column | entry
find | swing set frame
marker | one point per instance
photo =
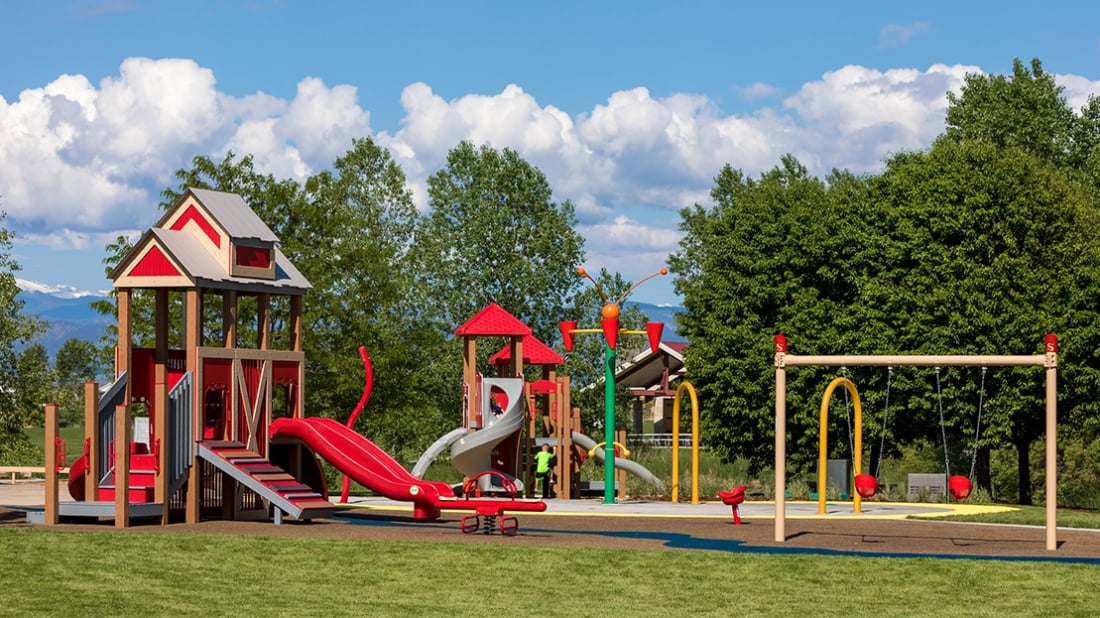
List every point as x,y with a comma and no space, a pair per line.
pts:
1048,360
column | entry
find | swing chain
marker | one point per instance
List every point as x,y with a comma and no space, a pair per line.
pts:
943,428
848,416
885,420
978,426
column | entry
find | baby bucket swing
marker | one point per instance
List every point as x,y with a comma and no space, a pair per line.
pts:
867,484
959,486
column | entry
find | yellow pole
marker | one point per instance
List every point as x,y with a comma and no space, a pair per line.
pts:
694,443
823,438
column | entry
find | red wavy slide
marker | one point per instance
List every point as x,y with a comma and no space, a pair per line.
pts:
366,463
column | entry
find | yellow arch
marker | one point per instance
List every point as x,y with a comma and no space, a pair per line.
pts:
685,385
823,438
623,451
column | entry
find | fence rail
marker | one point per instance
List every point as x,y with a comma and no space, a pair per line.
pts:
659,440
24,472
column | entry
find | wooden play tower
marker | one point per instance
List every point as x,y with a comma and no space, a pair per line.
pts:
209,401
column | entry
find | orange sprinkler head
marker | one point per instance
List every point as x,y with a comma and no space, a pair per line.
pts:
582,273
610,311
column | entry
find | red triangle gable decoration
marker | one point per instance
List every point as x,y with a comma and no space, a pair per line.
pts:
192,215
154,264
493,321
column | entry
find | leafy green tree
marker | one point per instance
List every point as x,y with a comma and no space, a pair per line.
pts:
767,258
354,244
980,245
75,363
494,235
37,384
15,329
1025,110
990,252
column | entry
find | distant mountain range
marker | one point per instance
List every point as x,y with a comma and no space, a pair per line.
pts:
67,311
665,314
69,314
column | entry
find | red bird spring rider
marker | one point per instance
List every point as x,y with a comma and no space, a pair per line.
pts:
733,498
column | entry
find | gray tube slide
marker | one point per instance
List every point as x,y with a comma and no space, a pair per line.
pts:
632,467
473,452
435,449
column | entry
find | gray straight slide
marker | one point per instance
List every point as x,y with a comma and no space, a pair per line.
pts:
472,453
632,467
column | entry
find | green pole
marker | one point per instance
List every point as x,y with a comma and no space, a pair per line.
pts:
609,426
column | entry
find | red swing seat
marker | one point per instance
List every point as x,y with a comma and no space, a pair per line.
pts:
959,486
866,485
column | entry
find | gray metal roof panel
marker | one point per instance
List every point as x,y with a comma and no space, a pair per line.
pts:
201,266
231,211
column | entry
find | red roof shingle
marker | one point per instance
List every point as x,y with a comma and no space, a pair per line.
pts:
493,321
535,352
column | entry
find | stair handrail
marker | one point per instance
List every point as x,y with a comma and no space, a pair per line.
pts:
113,397
180,447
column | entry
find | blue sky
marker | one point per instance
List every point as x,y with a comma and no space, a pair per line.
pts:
630,108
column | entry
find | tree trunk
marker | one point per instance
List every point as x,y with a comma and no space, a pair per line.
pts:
1023,470
982,471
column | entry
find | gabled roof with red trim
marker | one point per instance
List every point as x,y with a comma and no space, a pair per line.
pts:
493,321
193,245
535,352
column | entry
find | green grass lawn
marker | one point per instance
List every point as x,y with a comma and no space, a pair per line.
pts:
129,573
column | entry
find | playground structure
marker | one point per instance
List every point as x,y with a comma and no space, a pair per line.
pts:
1048,360
226,431
502,415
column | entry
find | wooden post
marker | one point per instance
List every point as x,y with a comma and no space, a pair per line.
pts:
529,448
471,399
1051,364
160,439
190,346
564,435
229,319
296,345
296,323
123,352
263,321
122,466
51,517
91,441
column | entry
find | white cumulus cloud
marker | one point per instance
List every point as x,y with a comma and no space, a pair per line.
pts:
80,161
